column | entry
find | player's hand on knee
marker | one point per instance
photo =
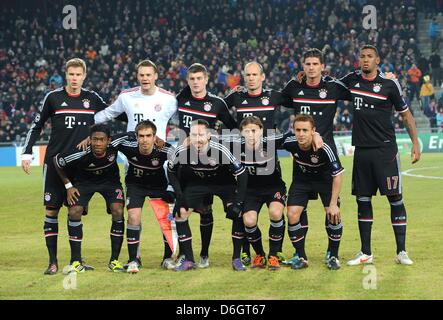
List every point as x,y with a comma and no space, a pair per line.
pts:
83,145
72,196
26,165
180,203
234,210
333,213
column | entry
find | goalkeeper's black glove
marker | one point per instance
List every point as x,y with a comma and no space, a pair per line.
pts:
168,197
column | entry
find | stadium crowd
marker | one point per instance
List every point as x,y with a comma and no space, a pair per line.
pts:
113,36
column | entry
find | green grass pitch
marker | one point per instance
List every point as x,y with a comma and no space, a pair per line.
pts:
23,255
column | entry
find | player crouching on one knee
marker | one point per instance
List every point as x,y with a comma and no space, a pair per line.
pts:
265,186
210,169
314,173
96,171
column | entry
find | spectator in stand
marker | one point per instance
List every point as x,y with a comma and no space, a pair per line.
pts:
426,91
430,111
123,34
423,65
434,34
56,78
414,75
345,119
439,119
436,69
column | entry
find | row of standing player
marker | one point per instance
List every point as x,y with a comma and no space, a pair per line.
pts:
314,95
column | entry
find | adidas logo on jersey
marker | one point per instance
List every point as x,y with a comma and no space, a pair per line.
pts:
64,104
91,165
301,93
245,102
134,158
357,85
188,104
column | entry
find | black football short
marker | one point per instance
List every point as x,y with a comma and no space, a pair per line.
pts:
257,197
197,195
111,192
54,191
376,168
136,195
301,192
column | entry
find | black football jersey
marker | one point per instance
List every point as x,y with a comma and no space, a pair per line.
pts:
216,166
210,108
145,170
372,104
262,163
71,116
320,102
320,165
262,105
89,168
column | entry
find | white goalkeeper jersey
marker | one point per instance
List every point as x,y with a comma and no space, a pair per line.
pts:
158,108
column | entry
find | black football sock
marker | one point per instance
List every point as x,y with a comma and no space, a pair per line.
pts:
50,228
365,219
206,226
116,234
334,232
246,247
276,232
185,239
399,222
238,235
133,239
253,235
167,253
296,235
75,231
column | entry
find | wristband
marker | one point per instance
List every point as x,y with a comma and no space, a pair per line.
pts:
68,185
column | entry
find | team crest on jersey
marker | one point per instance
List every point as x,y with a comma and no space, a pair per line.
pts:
86,103
47,196
158,107
207,106
377,87
155,162
323,93
111,157
265,101
314,158
212,162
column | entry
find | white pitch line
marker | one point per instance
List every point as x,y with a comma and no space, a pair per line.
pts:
407,173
